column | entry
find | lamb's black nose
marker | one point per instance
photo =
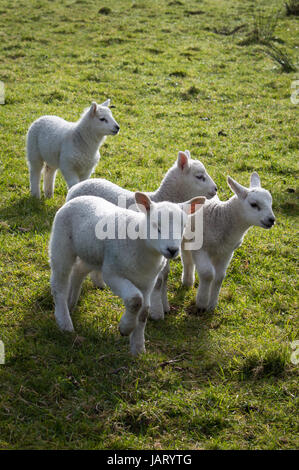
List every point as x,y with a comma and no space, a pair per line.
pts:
216,189
173,251
271,220
116,127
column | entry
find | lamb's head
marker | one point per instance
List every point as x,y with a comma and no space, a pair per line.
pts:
194,180
256,202
101,119
165,222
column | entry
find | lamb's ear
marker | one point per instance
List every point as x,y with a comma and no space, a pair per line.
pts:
192,206
106,103
255,181
143,202
237,188
187,152
183,160
93,108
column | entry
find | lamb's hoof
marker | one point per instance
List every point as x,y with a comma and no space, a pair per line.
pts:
136,350
67,328
156,311
125,330
166,308
97,282
211,308
122,332
201,310
35,196
100,286
156,315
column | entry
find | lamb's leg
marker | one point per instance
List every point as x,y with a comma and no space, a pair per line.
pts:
97,279
206,273
156,310
49,180
188,276
35,170
137,335
71,177
132,297
79,272
159,301
61,269
220,271
165,274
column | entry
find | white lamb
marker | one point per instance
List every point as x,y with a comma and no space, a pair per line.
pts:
129,266
224,226
186,179
73,147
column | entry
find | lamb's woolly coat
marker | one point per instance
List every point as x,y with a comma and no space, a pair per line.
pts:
186,179
180,184
129,266
73,147
224,227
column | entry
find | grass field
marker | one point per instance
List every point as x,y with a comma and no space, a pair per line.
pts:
179,78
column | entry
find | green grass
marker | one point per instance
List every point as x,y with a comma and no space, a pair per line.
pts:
176,81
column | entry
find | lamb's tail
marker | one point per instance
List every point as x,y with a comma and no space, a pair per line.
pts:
34,161
32,151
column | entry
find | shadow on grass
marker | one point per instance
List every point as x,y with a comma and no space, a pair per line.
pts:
288,202
96,350
71,381
28,214
184,332
48,361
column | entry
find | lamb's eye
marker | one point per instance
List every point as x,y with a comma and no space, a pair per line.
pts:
103,119
200,177
255,205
